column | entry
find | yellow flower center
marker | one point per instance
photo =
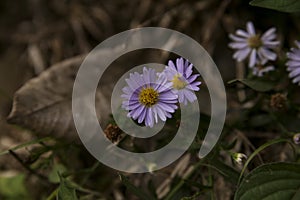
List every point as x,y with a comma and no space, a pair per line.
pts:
178,83
148,97
254,42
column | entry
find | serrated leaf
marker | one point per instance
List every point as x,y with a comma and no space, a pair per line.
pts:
136,191
258,85
280,5
66,191
271,181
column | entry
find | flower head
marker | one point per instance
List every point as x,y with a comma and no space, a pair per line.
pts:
294,63
148,97
238,157
296,138
257,47
182,80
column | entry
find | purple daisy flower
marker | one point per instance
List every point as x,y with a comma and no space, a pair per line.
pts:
182,79
294,63
257,47
148,97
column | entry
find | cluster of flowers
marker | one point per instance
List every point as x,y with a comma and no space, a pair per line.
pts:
259,49
151,96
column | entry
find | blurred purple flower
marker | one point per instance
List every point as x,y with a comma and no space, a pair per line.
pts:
182,79
294,63
260,70
257,47
148,97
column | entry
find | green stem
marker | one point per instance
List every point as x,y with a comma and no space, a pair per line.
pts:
25,145
259,149
53,195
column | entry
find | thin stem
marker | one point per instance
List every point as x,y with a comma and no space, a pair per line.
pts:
182,181
53,195
259,149
26,166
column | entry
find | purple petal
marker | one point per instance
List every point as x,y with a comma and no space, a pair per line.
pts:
193,78
250,28
293,56
269,34
189,71
297,44
171,64
194,86
179,64
135,105
189,95
267,53
297,79
241,54
167,107
271,44
292,63
161,114
149,118
137,112
154,110
180,96
143,114
294,73
237,39
242,33
167,96
252,60
238,45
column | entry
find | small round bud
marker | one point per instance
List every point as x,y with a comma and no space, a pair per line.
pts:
278,101
113,133
296,138
239,157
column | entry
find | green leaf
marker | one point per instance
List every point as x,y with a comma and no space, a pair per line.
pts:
271,181
66,191
13,187
54,174
280,5
136,191
258,85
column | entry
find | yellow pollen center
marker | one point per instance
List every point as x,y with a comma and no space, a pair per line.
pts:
178,83
254,42
148,97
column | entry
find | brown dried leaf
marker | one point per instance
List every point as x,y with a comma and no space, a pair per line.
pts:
43,104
